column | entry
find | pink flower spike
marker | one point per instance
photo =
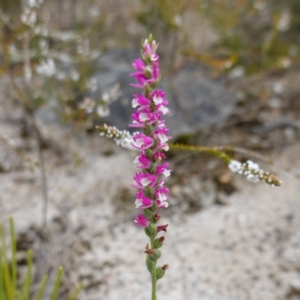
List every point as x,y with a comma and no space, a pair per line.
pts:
139,65
141,78
136,120
163,146
154,57
157,100
155,72
163,110
140,100
162,194
142,142
141,180
158,94
143,160
158,156
161,133
162,204
141,221
142,201
147,50
162,169
162,228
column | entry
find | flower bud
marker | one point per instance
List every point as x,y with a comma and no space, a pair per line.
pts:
160,272
159,242
156,217
150,38
150,264
157,254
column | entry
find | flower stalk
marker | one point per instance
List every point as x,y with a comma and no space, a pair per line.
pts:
151,142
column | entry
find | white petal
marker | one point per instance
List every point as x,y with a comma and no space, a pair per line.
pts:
163,138
252,178
138,203
165,147
164,110
164,203
136,160
157,100
139,142
145,181
134,103
167,172
154,57
144,117
162,197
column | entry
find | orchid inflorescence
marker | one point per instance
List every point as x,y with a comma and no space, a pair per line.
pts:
151,142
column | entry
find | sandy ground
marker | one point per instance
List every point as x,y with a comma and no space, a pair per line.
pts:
247,249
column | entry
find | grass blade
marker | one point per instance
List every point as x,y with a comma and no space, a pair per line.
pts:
6,274
76,292
27,283
13,253
57,283
42,288
1,278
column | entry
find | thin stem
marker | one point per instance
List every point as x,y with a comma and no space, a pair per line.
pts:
41,159
153,273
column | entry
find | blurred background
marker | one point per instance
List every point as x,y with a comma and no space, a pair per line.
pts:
231,73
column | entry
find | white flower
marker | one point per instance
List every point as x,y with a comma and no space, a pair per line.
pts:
234,166
252,165
47,68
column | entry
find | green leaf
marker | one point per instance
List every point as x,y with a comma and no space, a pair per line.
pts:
147,231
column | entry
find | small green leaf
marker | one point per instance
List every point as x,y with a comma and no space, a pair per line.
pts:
147,231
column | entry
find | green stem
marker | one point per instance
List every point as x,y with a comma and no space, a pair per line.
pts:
153,273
